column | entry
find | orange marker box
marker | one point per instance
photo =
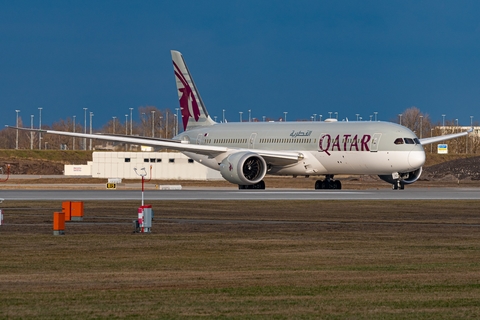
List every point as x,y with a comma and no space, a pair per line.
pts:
66,208
76,210
58,223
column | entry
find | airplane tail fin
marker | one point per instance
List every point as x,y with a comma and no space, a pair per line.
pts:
194,113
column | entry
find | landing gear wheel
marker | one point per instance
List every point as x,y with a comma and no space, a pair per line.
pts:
259,185
398,185
337,185
328,183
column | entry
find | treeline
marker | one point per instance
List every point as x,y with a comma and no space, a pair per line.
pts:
153,123
421,124
163,124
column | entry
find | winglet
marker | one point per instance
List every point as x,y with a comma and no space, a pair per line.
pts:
194,113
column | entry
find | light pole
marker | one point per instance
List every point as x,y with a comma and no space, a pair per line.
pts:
166,124
249,115
176,121
320,117
131,121
114,120
40,127
73,145
330,114
240,112
31,132
336,115
160,130
471,126
357,114
314,117
285,115
223,113
91,118
16,140
85,128
456,141
443,124
431,144
126,124
421,127
263,117
153,123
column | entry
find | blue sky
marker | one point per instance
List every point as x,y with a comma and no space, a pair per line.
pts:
302,57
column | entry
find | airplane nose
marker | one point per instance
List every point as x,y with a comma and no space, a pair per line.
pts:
416,159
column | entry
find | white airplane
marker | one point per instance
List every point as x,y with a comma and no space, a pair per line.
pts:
245,152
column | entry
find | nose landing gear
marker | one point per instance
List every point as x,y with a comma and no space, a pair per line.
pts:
398,185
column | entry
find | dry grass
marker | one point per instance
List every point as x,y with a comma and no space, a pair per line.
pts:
258,259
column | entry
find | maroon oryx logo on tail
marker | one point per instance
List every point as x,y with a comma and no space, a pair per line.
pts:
188,102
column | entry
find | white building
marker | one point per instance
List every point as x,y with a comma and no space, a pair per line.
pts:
164,165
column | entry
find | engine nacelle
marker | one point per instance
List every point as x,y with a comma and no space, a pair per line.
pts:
407,177
243,168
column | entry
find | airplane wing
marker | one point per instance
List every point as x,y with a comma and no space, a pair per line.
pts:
430,140
270,156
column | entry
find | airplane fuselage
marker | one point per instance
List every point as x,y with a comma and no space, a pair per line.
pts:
323,147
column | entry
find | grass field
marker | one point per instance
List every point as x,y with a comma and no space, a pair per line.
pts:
244,260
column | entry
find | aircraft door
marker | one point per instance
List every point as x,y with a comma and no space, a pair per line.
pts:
251,141
375,142
199,138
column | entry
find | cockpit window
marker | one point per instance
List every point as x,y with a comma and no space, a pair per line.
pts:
399,141
409,141
416,141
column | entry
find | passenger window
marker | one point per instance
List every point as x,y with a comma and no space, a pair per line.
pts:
409,141
399,141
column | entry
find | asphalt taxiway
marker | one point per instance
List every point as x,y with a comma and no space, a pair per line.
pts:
232,194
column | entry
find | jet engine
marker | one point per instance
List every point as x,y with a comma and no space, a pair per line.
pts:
243,168
406,177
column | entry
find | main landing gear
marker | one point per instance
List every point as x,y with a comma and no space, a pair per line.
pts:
398,185
259,185
328,183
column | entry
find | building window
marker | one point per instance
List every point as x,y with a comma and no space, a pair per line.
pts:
159,160
145,160
190,161
152,160
127,159
171,160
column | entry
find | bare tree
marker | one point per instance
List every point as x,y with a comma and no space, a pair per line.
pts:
417,121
